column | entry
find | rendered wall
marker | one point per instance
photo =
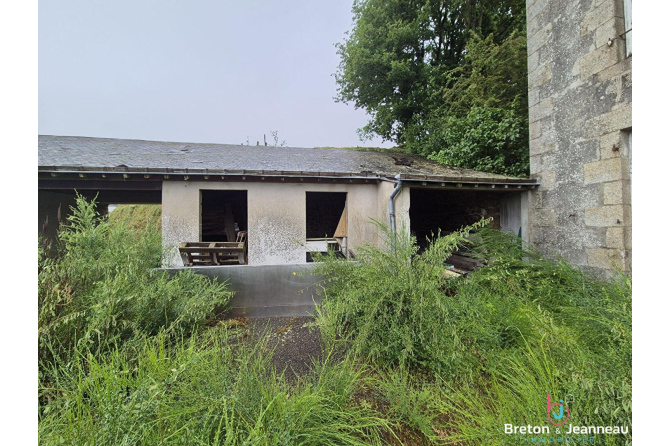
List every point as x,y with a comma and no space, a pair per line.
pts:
276,216
401,201
580,99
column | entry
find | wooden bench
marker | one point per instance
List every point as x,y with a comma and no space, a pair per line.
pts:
213,253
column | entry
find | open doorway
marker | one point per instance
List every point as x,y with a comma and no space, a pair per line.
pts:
326,223
223,214
445,211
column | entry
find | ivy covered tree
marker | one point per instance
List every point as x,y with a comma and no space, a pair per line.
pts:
483,123
416,66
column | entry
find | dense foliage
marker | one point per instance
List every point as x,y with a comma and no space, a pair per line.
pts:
495,342
204,391
410,356
418,68
392,301
101,291
125,358
483,124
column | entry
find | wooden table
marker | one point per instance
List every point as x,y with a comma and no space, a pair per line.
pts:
213,253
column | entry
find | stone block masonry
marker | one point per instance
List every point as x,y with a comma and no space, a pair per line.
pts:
580,110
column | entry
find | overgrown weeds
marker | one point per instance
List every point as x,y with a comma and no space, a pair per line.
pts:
390,304
420,358
495,343
101,291
125,359
203,391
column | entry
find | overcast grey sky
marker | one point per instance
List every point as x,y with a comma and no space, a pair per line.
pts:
195,71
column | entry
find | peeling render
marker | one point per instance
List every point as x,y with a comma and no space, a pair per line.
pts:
276,216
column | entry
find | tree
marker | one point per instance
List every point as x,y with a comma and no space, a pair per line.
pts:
401,55
491,75
483,124
489,139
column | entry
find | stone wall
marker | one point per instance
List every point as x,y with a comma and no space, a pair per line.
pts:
580,99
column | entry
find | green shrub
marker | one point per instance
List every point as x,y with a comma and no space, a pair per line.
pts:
487,139
496,341
391,303
102,289
545,292
544,326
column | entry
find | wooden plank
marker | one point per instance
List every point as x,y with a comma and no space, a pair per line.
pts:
229,223
211,245
213,253
221,250
341,230
464,262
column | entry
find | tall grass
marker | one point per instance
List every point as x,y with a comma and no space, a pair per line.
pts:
204,391
125,358
495,342
425,359
544,327
136,216
101,291
391,304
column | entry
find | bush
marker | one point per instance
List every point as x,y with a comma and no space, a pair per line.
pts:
391,304
487,139
544,326
496,342
102,289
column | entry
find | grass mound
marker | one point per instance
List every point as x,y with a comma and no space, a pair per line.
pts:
137,216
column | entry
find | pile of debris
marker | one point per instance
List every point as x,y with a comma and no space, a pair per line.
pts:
461,263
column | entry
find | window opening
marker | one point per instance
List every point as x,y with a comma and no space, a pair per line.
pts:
326,223
628,26
434,211
223,215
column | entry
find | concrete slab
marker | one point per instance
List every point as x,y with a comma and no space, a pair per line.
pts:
266,290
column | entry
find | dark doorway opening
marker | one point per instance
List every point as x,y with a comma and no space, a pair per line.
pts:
434,211
326,223
324,210
223,213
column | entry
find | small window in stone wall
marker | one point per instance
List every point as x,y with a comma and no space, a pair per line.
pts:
628,26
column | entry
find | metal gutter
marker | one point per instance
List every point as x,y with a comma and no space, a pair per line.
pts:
465,182
162,173
395,192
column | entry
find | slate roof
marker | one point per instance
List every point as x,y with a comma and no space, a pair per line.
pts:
75,153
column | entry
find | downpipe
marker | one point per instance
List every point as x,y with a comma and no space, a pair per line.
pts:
395,192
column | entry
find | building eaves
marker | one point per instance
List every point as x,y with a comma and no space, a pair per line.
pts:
102,157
